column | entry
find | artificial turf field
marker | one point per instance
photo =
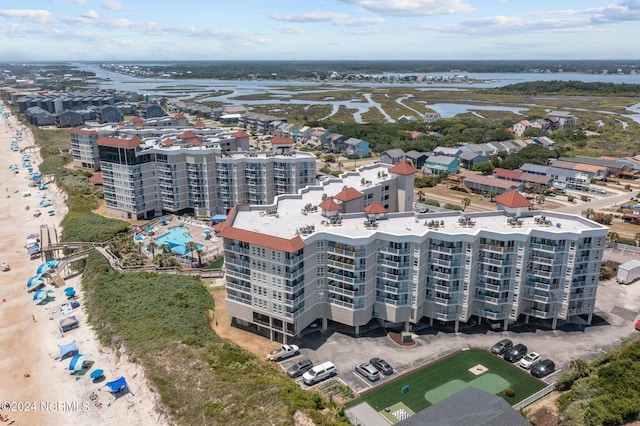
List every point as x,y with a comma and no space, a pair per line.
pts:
441,379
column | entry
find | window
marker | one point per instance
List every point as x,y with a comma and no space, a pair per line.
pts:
320,271
321,283
320,258
320,245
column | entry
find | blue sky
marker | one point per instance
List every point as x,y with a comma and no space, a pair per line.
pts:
317,30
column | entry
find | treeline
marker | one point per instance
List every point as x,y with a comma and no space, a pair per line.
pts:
278,70
569,88
450,132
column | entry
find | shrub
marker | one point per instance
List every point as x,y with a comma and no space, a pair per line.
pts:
566,380
431,202
509,393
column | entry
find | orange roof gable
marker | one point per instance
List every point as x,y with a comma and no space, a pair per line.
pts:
179,116
240,134
195,142
403,168
188,135
168,142
375,208
119,142
76,131
279,140
513,199
199,124
329,205
348,194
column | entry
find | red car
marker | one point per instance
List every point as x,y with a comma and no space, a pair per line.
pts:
638,325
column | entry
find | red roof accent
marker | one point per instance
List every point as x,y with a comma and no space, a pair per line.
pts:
507,174
188,134
513,199
137,120
119,142
263,240
526,123
240,134
168,142
403,168
348,194
96,178
375,208
195,142
179,116
199,125
329,205
77,131
230,217
279,140
415,134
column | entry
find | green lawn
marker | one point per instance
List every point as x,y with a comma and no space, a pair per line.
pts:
455,369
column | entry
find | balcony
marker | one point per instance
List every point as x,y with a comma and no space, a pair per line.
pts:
444,250
246,301
491,314
539,314
445,263
240,287
394,277
237,274
492,287
540,297
492,300
396,251
393,264
393,290
494,275
540,273
446,316
341,265
495,262
548,248
443,301
442,276
394,302
496,249
349,251
342,290
344,279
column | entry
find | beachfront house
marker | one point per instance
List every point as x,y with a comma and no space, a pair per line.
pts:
439,164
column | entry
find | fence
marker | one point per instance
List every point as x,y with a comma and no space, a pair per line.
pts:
623,247
536,396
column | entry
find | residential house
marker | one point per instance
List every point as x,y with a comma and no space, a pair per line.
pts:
448,151
480,184
393,156
69,118
520,127
562,119
108,114
430,117
151,111
407,119
439,164
356,148
417,158
39,116
469,159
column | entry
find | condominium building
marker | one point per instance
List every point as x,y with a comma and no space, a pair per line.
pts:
313,257
145,178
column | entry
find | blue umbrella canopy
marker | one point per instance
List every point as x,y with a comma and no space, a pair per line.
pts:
76,362
43,268
35,281
40,295
45,203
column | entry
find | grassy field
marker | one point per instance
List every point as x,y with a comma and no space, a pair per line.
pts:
445,376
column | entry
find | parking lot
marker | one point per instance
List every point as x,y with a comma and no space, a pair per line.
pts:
616,310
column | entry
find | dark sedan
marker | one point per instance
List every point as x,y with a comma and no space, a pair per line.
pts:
501,347
299,368
382,366
543,368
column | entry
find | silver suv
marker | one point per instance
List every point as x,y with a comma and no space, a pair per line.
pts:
368,371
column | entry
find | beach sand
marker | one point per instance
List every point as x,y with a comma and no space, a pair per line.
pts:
38,388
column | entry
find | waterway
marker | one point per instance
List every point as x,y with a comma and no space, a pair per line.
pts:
186,89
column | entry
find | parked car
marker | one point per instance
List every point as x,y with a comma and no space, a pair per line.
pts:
529,360
638,325
319,373
501,347
543,368
515,353
382,366
5,267
283,352
368,371
299,368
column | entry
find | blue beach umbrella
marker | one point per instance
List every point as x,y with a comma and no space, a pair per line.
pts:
76,362
36,281
43,268
41,295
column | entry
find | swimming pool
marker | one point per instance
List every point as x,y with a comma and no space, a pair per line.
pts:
177,239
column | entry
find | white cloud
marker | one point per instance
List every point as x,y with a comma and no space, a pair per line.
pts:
36,15
413,7
91,14
292,29
340,19
112,5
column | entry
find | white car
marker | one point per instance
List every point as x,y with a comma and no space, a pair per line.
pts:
529,360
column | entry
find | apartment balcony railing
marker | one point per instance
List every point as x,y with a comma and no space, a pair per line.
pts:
536,313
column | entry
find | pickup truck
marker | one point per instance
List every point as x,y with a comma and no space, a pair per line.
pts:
283,352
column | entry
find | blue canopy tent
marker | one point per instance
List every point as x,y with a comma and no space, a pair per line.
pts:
67,350
69,291
42,295
79,364
217,218
45,203
46,266
118,388
35,283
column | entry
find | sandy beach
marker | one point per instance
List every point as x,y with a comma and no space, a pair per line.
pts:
37,388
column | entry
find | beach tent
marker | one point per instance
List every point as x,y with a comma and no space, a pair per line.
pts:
45,267
42,295
69,291
77,362
35,282
45,203
68,323
67,350
118,388
217,218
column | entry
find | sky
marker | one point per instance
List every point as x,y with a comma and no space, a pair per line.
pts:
136,30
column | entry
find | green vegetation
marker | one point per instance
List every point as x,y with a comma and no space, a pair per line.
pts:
90,227
164,322
534,154
454,367
54,147
604,392
570,88
83,195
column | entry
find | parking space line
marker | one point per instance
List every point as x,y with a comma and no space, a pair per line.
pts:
362,379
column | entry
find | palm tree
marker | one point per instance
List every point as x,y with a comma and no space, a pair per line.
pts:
540,198
492,195
580,366
153,246
200,252
421,195
190,247
613,237
166,248
465,202
588,213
